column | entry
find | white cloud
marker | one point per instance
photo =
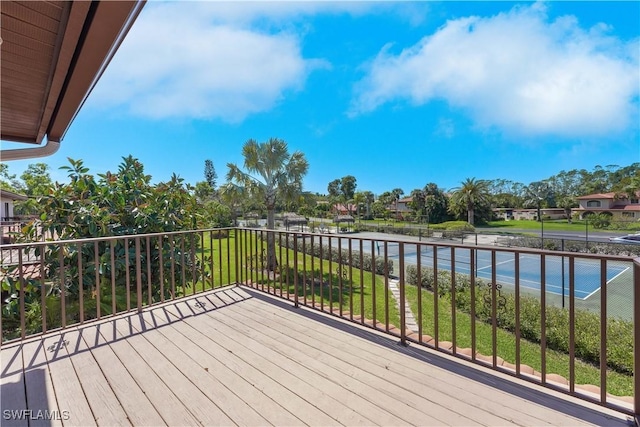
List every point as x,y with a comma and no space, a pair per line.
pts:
176,63
517,71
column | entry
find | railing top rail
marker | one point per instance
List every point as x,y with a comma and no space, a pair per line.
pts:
108,238
520,250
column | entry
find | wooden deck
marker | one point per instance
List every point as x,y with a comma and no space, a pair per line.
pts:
239,357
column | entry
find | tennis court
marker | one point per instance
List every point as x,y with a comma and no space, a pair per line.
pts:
586,272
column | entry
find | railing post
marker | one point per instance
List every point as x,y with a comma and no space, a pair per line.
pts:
295,269
139,276
237,260
636,341
403,319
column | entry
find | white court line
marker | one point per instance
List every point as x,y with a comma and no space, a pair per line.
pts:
608,281
497,263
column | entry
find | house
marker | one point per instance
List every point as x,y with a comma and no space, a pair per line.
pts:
7,201
341,209
529,214
620,206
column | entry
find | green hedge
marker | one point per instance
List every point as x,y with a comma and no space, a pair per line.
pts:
341,256
587,324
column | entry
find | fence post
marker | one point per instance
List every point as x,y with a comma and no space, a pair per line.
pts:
295,269
636,341
236,237
403,319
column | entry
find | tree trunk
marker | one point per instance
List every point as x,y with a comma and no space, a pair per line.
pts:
272,262
470,215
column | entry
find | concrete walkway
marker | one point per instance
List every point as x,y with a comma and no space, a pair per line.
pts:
410,319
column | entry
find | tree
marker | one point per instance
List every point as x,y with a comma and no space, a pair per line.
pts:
384,201
36,179
471,195
8,181
203,191
566,186
537,193
210,174
342,190
436,203
124,203
417,203
397,193
271,173
369,198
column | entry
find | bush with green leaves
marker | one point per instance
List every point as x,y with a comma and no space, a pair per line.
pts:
124,203
339,255
587,324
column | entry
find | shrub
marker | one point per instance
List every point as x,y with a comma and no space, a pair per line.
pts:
586,328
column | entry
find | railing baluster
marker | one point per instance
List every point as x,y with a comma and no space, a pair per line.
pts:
603,331
183,273
172,257
43,294
112,265
386,286
373,284
419,290
304,268
402,302
80,282
572,325
321,276
436,326
472,315
339,271
543,319
330,248
139,275
147,242
161,263
23,332
453,299
361,242
313,271
228,258
63,293
350,280
192,253
127,272
494,311
96,264
516,270
295,270
636,340
220,256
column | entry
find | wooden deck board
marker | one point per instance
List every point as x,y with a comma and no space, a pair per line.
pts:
68,390
12,394
170,408
203,409
418,399
361,396
240,357
335,402
455,386
39,387
442,395
105,406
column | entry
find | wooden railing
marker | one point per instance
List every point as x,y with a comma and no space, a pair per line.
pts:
561,320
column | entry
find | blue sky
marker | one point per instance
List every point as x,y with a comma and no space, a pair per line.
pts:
396,94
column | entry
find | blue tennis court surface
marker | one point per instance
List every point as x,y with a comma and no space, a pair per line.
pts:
586,272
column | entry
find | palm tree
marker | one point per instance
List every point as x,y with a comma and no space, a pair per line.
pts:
397,192
471,194
536,193
369,199
271,174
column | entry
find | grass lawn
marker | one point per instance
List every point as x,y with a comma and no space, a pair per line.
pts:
350,291
550,225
